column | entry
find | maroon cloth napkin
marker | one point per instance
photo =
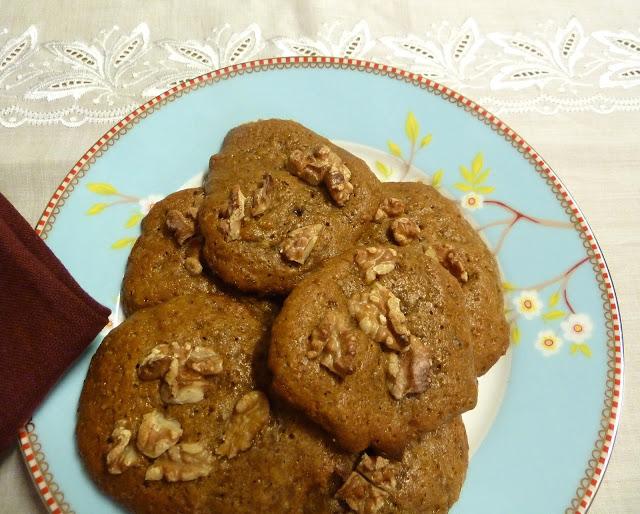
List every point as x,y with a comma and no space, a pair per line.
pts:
46,321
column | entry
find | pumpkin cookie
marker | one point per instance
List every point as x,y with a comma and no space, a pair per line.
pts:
280,201
375,347
414,212
173,417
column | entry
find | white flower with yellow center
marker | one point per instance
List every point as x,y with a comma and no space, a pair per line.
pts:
148,202
528,304
577,328
548,343
472,201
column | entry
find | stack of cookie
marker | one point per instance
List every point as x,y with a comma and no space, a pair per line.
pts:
300,338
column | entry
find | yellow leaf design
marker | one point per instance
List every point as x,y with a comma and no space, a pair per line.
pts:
482,177
133,220
426,140
394,148
383,168
508,286
466,174
412,127
515,334
123,243
484,190
102,188
551,315
436,179
476,164
96,208
585,349
554,299
573,349
462,186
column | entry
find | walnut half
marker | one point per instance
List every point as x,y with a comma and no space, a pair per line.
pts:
157,434
379,471
122,455
182,227
250,414
404,230
299,243
389,208
181,463
361,495
333,343
452,262
261,198
408,373
231,218
376,261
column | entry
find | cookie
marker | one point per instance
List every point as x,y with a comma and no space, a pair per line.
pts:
414,212
375,347
166,261
173,417
280,201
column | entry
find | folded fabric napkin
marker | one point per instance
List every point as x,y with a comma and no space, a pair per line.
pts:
46,321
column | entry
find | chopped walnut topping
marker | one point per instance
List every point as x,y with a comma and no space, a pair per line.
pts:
323,165
204,361
333,343
390,207
250,414
361,495
231,217
157,434
450,260
156,364
182,227
404,231
181,385
376,261
122,455
181,463
193,265
379,471
299,243
408,373
261,199
379,316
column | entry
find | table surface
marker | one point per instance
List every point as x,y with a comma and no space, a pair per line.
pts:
596,154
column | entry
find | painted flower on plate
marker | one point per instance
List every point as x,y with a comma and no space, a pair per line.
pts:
472,201
148,202
528,304
548,343
577,328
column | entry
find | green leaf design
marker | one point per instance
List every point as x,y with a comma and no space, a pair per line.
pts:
412,127
480,179
554,299
133,220
551,315
477,163
583,348
123,243
102,188
97,208
515,333
426,140
466,174
508,286
484,190
384,169
462,186
394,148
436,179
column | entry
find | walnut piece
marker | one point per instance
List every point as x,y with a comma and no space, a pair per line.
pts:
231,217
379,471
261,198
193,265
157,434
323,165
379,316
376,261
250,414
181,463
408,373
452,262
333,343
122,455
389,208
156,364
182,227
361,495
299,243
404,231
204,361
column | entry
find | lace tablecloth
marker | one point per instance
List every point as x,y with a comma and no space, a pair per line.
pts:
566,77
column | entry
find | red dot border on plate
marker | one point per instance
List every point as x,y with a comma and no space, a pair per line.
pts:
603,447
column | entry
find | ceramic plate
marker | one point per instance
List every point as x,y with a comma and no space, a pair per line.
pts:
544,427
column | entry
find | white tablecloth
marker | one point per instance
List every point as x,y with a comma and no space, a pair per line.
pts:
564,75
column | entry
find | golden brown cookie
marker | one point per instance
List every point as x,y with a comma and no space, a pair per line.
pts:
173,417
375,347
414,212
280,201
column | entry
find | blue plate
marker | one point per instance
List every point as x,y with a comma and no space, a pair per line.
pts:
543,431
